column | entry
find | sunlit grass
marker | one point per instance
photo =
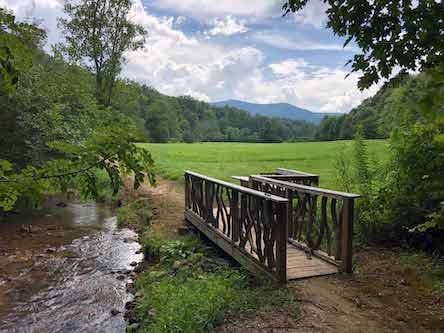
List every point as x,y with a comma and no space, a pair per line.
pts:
223,160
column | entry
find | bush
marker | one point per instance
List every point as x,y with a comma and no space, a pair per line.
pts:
189,289
136,214
401,199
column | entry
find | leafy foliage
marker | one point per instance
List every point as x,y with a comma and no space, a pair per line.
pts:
61,137
184,119
16,41
403,198
98,32
187,288
406,34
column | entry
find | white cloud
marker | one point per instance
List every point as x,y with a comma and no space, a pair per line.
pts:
43,12
313,14
180,20
312,87
178,64
203,8
276,39
289,67
227,26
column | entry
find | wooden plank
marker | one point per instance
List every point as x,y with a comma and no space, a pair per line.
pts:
238,188
284,171
312,270
317,253
241,178
307,274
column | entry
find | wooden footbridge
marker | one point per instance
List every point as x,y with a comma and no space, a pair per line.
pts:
281,225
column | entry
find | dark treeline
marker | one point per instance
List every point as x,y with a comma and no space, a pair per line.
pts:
184,119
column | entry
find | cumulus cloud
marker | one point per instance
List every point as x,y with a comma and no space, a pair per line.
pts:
203,8
180,20
227,26
289,67
313,14
279,40
42,12
179,64
300,83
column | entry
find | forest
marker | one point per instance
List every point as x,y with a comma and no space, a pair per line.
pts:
72,125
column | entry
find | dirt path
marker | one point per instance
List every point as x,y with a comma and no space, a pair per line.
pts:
380,297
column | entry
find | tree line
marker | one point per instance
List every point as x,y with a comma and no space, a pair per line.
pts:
185,119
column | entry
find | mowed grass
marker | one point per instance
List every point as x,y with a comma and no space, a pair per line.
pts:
223,160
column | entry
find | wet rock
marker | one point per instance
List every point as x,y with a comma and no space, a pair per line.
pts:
152,312
25,228
51,250
134,327
177,264
120,277
61,204
123,271
138,269
130,287
139,251
114,312
130,305
134,264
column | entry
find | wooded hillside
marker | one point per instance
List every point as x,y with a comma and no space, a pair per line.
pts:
184,119
377,114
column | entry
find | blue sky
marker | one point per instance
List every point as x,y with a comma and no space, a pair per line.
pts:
231,49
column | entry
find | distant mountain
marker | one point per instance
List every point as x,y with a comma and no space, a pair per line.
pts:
277,110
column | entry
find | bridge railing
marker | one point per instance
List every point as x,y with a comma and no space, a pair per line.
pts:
249,225
320,221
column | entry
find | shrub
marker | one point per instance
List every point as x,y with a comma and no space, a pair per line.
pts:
190,290
136,214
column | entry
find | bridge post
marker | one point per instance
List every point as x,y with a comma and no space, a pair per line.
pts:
234,209
281,241
290,227
347,236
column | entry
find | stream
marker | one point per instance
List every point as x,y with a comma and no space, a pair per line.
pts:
65,270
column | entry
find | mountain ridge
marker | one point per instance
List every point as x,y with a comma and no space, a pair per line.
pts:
276,110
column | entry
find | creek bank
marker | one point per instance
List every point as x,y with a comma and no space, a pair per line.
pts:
185,283
62,265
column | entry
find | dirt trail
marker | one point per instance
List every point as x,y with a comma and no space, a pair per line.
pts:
379,297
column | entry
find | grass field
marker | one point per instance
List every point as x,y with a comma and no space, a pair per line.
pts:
223,160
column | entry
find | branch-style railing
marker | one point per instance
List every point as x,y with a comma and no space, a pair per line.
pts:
291,176
320,220
248,224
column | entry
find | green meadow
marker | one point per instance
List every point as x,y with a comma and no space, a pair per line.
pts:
223,160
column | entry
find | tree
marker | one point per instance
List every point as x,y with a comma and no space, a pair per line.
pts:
98,32
391,34
17,42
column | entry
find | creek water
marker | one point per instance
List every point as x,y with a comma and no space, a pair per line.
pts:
65,271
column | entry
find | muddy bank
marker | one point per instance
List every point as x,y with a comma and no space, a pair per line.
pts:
65,269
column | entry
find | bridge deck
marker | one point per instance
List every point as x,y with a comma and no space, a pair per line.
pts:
299,264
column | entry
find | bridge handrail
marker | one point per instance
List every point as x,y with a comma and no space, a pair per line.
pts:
316,228
239,188
249,225
305,188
